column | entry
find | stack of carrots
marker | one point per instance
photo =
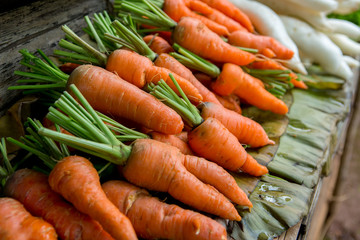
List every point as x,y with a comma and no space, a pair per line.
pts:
181,92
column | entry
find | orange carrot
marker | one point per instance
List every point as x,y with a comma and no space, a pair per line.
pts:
213,174
204,79
272,64
172,140
167,61
193,35
77,181
233,80
215,15
216,143
176,9
183,136
249,40
31,188
158,44
18,224
231,102
231,11
68,67
165,172
155,74
246,130
154,219
109,94
139,70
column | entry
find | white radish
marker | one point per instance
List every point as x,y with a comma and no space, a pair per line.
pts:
345,27
317,46
316,5
347,46
351,62
268,23
347,6
315,18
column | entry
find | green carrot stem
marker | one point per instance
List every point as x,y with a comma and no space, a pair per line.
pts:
94,52
72,47
43,86
77,56
141,47
46,78
44,157
104,168
118,40
3,150
47,59
63,147
195,62
115,154
100,44
250,50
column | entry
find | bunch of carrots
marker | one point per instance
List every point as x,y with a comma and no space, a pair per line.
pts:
155,99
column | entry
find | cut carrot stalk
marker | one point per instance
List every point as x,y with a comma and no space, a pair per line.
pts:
191,34
17,223
234,80
160,220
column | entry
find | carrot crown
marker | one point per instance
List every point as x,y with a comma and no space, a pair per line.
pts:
91,134
193,61
44,76
182,106
145,12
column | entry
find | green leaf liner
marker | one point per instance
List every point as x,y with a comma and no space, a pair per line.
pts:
306,140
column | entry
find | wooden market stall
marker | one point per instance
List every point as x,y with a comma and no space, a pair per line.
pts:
316,125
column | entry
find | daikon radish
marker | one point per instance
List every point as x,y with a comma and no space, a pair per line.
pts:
317,46
317,19
316,5
268,23
345,27
347,46
351,62
347,6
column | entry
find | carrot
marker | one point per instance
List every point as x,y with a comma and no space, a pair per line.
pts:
203,78
166,173
209,172
154,219
158,44
209,138
17,223
246,130
214,142
172,140
262,43
31,188
148,163
231,11
110,94
167,61
126,64
68,67
215,15
272,64
230,102
191,34
77,181
233,80
176,9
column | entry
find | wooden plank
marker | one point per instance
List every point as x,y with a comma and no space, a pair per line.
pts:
36,26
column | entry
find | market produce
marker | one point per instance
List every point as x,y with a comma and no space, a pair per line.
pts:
153,218
231,11
164,172
77,180
172,140
234,80
267,23
347,46
31,188
345,27
264,44
317,47
139,102
209,138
